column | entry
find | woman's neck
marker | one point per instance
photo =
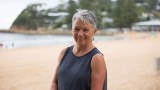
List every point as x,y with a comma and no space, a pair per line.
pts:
81,50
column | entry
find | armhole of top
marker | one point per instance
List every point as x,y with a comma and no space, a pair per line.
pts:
105,81
97,53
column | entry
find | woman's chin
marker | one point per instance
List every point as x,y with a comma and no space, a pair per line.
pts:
80,44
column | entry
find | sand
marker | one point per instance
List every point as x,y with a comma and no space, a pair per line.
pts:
130,64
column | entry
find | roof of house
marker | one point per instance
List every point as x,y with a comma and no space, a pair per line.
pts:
155,22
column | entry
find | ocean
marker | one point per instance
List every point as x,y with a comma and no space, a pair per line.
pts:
14,40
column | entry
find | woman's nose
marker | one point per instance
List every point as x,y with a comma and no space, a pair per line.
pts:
80,33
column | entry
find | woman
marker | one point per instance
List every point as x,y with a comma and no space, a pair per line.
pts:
81,66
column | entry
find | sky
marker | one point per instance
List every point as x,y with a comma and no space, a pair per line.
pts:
10,9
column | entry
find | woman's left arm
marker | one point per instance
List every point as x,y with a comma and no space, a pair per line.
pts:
98,72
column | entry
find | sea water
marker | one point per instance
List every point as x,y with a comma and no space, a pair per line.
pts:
14,40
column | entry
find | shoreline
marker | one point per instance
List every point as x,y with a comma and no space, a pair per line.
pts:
6,44
52,32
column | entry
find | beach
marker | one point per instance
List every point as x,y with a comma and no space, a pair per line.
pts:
130,64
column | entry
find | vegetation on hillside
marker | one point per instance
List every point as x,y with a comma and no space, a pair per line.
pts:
110,13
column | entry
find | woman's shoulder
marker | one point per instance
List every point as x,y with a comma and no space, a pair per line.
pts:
98,58
63,51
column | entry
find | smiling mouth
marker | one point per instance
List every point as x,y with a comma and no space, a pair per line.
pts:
80,39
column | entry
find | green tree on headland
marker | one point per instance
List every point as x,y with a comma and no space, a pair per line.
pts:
28,18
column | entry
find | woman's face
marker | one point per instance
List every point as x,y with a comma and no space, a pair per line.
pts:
82,32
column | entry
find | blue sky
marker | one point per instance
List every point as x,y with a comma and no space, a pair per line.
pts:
10,9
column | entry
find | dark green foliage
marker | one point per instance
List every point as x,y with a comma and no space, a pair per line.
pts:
125,13
72,7
99,7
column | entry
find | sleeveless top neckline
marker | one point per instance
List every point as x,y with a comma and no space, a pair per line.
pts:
82,55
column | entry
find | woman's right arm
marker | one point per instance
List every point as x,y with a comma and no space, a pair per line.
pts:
54,84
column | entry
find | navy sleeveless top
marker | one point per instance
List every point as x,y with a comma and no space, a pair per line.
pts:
74,72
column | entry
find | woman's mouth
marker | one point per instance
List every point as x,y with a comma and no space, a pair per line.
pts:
80,39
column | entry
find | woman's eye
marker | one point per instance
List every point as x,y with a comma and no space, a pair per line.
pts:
76,29
85,30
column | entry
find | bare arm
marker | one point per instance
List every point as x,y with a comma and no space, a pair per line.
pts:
98,72
55,82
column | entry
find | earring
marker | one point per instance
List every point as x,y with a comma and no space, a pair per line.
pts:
93,38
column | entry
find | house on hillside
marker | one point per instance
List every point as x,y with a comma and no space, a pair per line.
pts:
151,25
59,19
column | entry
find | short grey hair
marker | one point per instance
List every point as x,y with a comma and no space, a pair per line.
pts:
85,15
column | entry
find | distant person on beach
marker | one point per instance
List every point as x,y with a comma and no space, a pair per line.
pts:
81,66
